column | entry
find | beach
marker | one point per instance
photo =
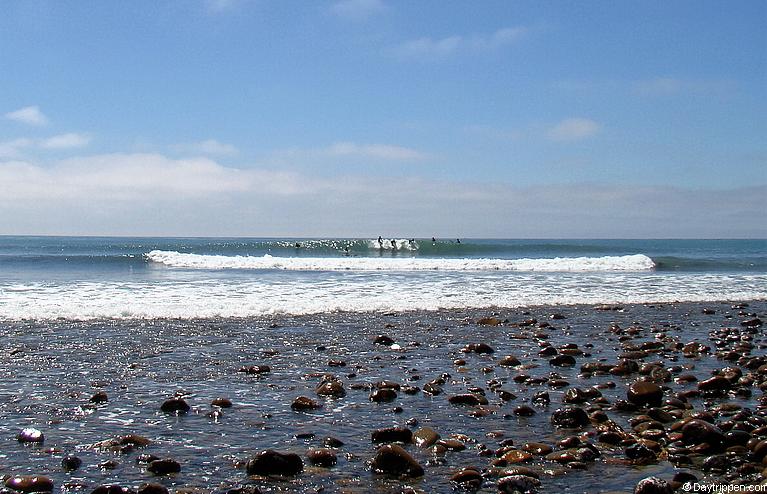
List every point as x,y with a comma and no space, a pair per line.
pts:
87,385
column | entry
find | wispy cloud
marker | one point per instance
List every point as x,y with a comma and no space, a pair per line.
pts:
662,86
357,10
30,115
207,147
351,150
573,129
65,141
15,148
204,197
440,48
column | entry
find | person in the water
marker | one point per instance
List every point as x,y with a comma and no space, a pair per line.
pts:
393,244
458,240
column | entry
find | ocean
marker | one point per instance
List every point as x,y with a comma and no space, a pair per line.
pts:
119,277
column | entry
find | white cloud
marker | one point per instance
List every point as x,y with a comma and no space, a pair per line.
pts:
207,147
65,141
30,115
350,150
13,148
357,10
376,151
573,129
437,49
135,194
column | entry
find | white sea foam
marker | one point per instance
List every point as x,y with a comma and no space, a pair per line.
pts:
637,262
393,244
200,295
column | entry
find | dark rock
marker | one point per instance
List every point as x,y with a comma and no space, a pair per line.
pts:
716,384
331,387
570,417
467,478
70,463
99,397
524,411
563,361
304,403
255,369
394,460
382,339
644,393
383,395
489,321
29,483
271,462
468,399
541,398
518,484
165,466
112,489
699,431
152,488
653,485
332,442
478,348
509,361
175,405
392,435
322,457
222,403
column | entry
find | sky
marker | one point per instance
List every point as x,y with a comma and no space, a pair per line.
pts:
354,118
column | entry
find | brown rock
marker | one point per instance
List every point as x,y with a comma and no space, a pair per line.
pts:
270,462
394,460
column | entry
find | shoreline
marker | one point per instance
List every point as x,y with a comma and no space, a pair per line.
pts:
491,421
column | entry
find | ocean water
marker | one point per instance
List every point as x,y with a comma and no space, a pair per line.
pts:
95,277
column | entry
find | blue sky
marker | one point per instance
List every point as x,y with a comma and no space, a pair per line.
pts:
360,117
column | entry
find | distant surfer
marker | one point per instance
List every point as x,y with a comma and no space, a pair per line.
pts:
433,239
458,240
393,244
298,245
380,241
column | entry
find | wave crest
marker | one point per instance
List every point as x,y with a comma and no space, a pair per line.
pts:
636,262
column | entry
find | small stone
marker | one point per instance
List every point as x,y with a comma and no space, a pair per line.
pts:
425,437
394,460
322,457
644,393
164,467
303,403
563,361
331,387
509,361
653,485
70,463
520,484
570,417
468,478
255,369
151,488
524,411
271,462
392,435
382,339
468,399
99,397
30,435
175,405
222,403
478,348
29,483
383,395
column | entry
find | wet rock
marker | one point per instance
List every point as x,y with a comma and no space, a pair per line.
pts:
563,361
425,437
570,417
271,462
123,444
332,442
541,398
164,466
255,369
509,361
489,321
175,405
639,452
71,463
99,397
151,488
716,384
392,435
30,435
467,478
653,485
394,460
331,387
524,411
478,348
468,399
751,323
222,402
383,395
518,484
451,444
29,483
382,339
699,431
642,393
322,457
303,403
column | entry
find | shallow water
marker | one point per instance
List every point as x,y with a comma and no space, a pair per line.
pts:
49,370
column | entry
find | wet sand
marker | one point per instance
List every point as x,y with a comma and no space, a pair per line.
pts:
477,379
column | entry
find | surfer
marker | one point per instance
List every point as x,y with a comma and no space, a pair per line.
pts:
433,239
458,240
393,244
